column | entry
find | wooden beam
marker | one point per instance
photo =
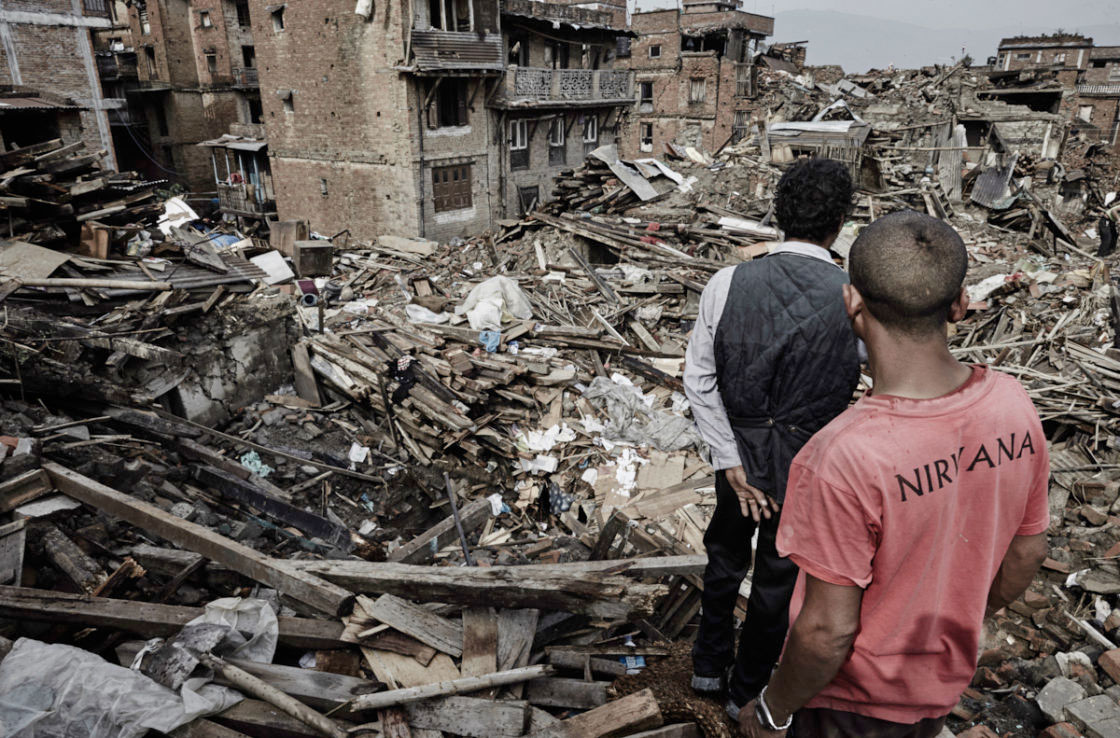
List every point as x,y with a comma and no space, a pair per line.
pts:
420,548
144,618
604,589
565,692
465,685
638,711
86,574
301,586
23,488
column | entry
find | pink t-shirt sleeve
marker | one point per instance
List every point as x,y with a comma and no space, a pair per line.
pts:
825,530
1036,517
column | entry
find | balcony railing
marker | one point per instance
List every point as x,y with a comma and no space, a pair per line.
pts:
243,198
117,66
246,77
556,11
1113,89
531,86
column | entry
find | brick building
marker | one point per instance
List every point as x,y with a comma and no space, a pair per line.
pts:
47,47
196,70
1064,74
434,118
695,74
1066,53
1098,93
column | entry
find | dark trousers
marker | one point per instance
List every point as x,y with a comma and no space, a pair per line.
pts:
728,543
824,723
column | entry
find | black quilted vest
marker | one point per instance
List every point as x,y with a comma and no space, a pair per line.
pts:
786,360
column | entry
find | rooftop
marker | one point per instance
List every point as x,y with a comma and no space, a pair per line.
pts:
1046,40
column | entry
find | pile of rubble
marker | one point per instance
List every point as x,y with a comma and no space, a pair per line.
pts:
359,481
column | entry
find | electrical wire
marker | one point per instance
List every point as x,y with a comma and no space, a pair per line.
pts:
140,146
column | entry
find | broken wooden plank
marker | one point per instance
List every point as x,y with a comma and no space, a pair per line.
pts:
261,720
585,662
565,692
480,641
85,573
604,589
145,618
638,711
465,685
25,487
423,625
470,716
423,547
247,491
516,631
301,586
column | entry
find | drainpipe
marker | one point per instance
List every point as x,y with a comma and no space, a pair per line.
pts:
420,148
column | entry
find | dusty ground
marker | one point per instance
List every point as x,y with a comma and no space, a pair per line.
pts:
669,679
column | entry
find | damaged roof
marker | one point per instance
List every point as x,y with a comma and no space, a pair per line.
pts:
12,104
437,50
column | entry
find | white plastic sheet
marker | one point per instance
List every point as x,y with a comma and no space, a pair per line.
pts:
491,301
57,691
632,420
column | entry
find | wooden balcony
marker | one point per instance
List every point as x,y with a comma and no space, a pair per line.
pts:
533,87
245,77
244,199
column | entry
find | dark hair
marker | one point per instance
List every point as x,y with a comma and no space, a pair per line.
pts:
813,199
909,268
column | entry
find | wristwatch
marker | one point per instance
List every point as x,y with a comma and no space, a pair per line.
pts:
762,712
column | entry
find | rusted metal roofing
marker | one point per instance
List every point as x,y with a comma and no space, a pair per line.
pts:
8,104
437,50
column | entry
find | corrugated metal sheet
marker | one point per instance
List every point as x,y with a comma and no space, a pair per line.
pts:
436,50
32,103
993,186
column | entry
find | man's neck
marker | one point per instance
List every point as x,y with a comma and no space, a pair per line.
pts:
915,368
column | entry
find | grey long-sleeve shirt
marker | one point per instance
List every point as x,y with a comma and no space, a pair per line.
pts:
700,381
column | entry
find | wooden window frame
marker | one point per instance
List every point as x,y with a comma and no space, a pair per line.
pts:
451,188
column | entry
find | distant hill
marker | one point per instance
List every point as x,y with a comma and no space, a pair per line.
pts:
859,43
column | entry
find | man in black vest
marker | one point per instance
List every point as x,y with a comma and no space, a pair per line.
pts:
771,360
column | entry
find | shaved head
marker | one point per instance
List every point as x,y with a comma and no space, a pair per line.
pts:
909,269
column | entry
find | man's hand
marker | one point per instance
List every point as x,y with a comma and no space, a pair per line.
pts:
751,728
752,501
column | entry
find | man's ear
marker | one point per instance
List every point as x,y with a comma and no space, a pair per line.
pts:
959,308
853,301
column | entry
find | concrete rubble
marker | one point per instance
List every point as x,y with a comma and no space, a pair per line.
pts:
462,476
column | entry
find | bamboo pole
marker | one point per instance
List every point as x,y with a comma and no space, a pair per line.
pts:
108,284
394,697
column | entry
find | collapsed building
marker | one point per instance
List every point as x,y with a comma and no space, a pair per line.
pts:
448,486
695,75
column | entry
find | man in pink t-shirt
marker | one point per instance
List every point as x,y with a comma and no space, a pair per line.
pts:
912,515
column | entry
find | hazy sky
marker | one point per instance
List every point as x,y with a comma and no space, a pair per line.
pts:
859,34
